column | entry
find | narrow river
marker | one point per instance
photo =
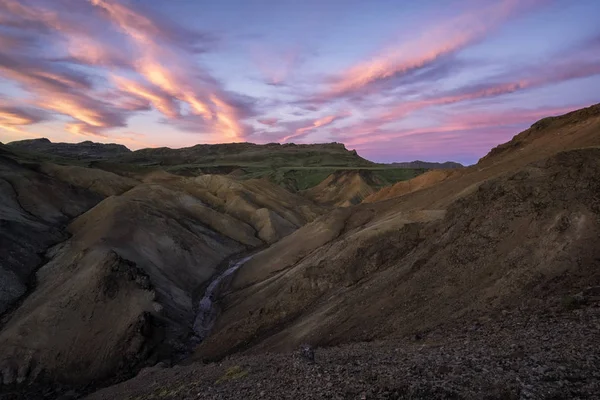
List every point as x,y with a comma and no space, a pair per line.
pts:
207,311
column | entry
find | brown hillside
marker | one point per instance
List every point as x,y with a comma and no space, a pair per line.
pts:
343,188
34,209
543,139
526,238
137,260
425,180
513,223
509,245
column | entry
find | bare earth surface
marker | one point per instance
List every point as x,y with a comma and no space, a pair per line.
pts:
523,354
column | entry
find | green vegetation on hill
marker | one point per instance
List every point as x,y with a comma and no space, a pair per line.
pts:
293,177
295,167
307,177
245,154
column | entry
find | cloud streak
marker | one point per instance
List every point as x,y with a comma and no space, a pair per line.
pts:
165,64
431,47
542,76
109,68
318,123
13,118
158,52
268,121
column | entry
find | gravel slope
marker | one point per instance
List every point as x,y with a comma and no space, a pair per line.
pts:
521,354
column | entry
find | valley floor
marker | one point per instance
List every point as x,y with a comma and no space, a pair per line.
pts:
514,355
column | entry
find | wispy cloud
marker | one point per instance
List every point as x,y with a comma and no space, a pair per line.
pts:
103,68
376,126
154,66
161,100
532,78
166,64
318,123
431,47
13,118
268,121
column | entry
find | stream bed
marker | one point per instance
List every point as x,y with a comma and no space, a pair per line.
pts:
207,311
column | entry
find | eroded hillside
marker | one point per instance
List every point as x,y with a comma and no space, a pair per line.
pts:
492,246
516,239
475,283
485,237
136,259
34,208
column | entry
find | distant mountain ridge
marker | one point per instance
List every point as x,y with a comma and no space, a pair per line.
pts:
223,154
243,153
427,165
83,150
295,167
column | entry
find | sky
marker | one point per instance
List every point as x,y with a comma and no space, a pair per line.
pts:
433,80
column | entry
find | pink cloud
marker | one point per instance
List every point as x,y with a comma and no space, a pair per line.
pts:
162,101
470,133
13,118
161,54
83,129
318,123
168,70
543,76
436,42
268,121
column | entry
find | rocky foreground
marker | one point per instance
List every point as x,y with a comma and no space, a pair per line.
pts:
518,354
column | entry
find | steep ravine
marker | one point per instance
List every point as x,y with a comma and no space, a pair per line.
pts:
206,313
206,305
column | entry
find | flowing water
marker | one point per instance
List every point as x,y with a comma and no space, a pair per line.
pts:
207,311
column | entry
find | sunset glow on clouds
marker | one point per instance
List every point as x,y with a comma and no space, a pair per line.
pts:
429,80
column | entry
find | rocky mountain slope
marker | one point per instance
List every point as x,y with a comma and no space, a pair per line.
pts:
510,229
34,209
511,356
136,259
449,284
344,188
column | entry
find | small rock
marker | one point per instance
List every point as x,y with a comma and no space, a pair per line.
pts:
307,352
